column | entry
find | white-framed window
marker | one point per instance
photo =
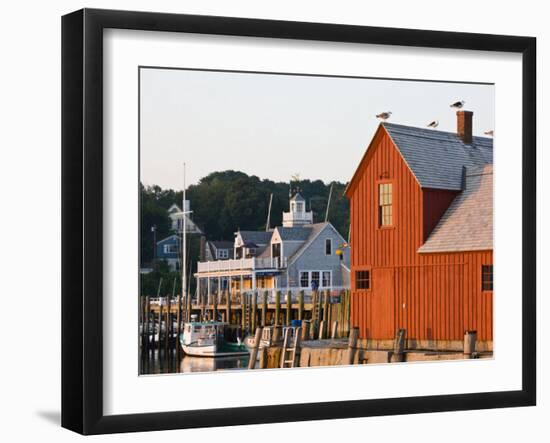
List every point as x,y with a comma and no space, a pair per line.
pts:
326,280
223,253
321,279
304,279
170,249
328,246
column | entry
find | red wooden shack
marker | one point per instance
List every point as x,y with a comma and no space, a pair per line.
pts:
422,234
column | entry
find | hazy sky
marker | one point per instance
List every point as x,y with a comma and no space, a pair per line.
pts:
274,126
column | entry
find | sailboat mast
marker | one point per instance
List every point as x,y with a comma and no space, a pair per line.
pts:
184,240
267,223
328,203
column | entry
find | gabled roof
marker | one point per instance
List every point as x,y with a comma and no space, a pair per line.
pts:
298,197
299,233
257,237
436,158
169,238
221,244
467,225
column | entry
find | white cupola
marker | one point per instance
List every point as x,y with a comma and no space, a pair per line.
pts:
298,216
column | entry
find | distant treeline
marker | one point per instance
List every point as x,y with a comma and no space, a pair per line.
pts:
223,202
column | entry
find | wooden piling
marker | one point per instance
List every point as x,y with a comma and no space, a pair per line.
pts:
276,336
301,305
228,307
334,330
288,307
168,327
254,352
263,358
399,345
143,315
470,338
305,330
277,307
326,301
264,309
254,308
178,326
147,322
352,345
322,329
159,344
215,304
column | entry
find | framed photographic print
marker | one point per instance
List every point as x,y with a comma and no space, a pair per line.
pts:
270,221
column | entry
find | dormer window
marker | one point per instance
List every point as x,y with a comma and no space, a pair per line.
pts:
299,206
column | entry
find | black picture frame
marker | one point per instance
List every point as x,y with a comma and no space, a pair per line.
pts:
82,230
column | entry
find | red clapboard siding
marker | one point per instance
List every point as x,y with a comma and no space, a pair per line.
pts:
433,296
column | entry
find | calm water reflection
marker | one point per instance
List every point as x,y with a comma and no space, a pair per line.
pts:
169,363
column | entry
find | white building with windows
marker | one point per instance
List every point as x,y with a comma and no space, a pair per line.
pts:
176,217
299,255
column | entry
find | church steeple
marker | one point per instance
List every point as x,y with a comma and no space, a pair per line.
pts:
298,216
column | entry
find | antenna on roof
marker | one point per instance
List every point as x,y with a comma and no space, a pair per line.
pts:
328,203
268,213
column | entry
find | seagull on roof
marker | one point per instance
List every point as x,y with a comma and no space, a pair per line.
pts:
384,115
458,105
433,124
491,132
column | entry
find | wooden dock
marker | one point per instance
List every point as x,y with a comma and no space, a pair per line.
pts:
162,318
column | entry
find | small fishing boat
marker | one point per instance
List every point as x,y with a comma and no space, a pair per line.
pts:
207,339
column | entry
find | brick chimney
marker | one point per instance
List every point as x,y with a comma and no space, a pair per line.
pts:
464,125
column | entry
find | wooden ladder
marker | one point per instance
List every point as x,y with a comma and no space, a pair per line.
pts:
246,308
291,346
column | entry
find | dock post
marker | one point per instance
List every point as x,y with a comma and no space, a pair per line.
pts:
178,326
143,314
322,330
148,322
352,345
399,346
470,338
160,326
334,330
288,307
326,301
264,309
215,304
228,307
276,336
254,310
277,307
254,352
168,327
263,358
301,305
305,330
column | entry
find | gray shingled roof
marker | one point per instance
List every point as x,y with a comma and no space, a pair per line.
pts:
257,237
298,233
436,158
222,244
467,225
